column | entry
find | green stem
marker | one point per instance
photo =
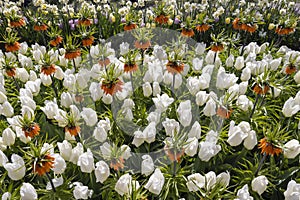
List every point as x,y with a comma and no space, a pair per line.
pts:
51,182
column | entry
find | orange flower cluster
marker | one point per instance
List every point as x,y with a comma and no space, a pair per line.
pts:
174,155
142,45
130,67
42,27
175,67
48,70
130,26
261,90
11,72
56,41
217,48
290,69
161,19
85,22
104,62
117,164
203,28
73,130
284,31
31,131
16,24
44,165
12,47
268,148
72,54
187,32
224,112
112,87
242,26
88,41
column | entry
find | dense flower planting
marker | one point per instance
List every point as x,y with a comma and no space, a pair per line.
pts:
149,100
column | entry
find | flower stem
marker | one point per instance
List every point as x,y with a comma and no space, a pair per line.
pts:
173,84
254,106
74,64
131,79
51,182
16,83
53,86
261,163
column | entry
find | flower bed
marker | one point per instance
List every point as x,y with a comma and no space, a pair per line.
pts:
149,100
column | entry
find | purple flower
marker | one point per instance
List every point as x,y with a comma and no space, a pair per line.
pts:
76,21
143,24
216,19
71,22
95,21
177,21
123,20
72,26
60,25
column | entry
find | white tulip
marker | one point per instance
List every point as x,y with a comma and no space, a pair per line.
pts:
259,184
147,89
34,86
61,118
6,196
274,64
297,77
193,85
210,180
59,73
96,91
59,164
22,74
27,101
204,81
200,48
7,109
197,64
223,179
293,191
201,98
50,109
124,185
244,103
76,152
291,148
16,169
126,151
184,112
3,158
171,125
195,131
156,89
90,116
235,135
195,182
8,137
243,194
210,108
82,192
27,192
191,146
156,182
46,79
290,107
147,165
86,162
251,140
246,74
65,149
66,99
70,82
224,80
239,63
124,48
208,150
32,75
102,171
243,87
162,102
56,182
209,59
229,61
107,99
3,97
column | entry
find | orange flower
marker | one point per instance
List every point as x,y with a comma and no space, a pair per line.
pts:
44,165
217,48
130,26
104,62
48,70
32,131
224,112
42,27
117,164
11,72
174,155
56,41
251,29
259,90
268,148
284,31
187,32
19,23
203,28
79,98
72,54
290,69
130,67
236,24
12,47
85,22
73,130
142,45
161,19
112,87
175,67
88,41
